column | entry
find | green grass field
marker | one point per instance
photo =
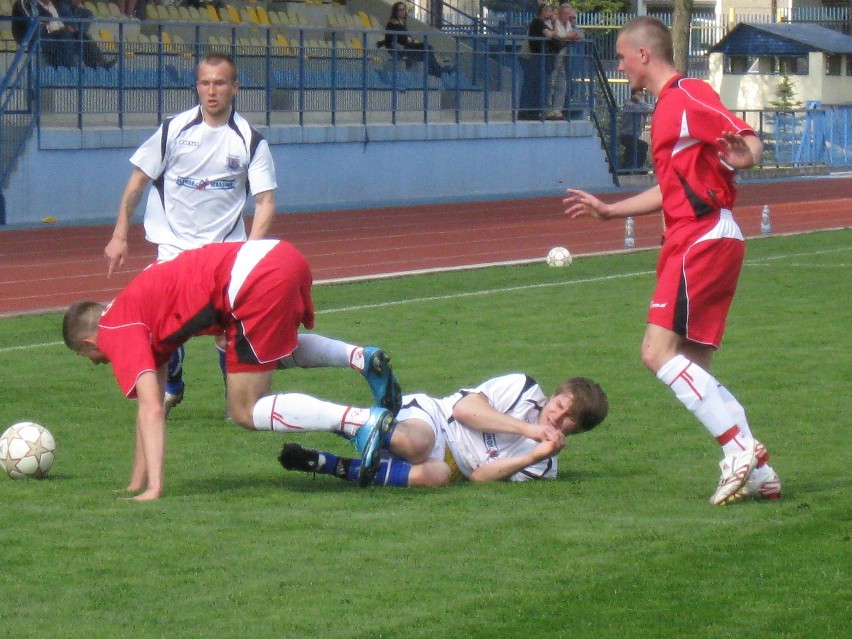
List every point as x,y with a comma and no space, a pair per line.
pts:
623,544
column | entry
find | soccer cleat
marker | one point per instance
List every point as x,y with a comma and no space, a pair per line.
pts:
736,469
297,457
172,399
368,441
382,381
764,483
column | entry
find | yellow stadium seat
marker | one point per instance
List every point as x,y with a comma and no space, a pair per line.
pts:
183,12
151,12
233,14
262,16
114,11
214,15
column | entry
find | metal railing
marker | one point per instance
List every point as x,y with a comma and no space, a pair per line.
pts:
18,109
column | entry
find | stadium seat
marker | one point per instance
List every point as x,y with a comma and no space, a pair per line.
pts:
114,11
263,16
214,15
184,14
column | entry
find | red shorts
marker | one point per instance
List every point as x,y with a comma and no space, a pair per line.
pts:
696,281
270,297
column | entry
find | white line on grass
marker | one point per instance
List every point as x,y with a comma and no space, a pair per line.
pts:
492,291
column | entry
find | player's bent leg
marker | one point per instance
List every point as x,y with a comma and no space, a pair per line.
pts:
432,472
412,439
244,389
659,345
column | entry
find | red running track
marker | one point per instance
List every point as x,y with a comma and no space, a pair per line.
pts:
46,269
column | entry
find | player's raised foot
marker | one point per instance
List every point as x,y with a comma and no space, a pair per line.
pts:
173,397
736,469
368,441
297,457
382,381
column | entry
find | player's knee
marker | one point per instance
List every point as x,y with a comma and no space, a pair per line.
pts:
433,472
412,440
241,415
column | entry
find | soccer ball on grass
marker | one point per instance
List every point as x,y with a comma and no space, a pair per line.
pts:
559,256
27,450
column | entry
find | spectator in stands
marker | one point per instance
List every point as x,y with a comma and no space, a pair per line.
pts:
537,65
398,38
57,45
631,124
565,31
77,18
127,7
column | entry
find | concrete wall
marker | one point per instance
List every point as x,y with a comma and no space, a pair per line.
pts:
79,176
756,91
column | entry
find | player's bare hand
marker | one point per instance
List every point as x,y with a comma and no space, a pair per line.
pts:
579,204
735,151
115,253
549,448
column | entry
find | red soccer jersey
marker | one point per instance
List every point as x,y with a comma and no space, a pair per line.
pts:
198,293
688,120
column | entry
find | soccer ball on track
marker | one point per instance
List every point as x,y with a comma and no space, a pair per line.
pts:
27,450
559,256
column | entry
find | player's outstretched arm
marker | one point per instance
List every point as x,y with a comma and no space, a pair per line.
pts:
116,250
579,203
503,469
151,433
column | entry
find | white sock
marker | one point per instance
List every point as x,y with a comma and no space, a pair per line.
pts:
698,390
317,351
295,412
736,409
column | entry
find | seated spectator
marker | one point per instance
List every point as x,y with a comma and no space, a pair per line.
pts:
79,30
127,7
57,45
399,38
631,125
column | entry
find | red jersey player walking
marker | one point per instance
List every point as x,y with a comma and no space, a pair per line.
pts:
257,294
697,145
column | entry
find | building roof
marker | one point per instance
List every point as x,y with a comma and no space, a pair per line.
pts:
749,38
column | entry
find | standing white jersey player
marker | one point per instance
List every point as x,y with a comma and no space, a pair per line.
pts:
504,429
201,176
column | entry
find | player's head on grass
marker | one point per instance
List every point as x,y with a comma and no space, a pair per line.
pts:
577,405
80,330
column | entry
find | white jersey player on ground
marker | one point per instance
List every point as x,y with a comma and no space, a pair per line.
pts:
504,429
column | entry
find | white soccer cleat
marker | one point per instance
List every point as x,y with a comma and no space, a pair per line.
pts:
736,470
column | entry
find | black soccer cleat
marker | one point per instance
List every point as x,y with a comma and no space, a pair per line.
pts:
297,457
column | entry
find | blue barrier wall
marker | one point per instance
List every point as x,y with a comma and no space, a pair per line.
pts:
78,176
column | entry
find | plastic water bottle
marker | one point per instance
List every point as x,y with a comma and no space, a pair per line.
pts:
629,240
765,223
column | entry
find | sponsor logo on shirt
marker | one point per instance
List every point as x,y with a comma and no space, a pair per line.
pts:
490,440
189,142
659,304
233,162
205,184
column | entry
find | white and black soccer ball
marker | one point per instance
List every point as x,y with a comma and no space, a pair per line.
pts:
27,450
559,256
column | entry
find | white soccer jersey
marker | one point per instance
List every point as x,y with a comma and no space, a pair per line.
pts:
201,177
515,394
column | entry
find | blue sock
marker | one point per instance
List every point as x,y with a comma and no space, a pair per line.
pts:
174,376
392,472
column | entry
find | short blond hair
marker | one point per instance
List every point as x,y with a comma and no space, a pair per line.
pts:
651,33
80,321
